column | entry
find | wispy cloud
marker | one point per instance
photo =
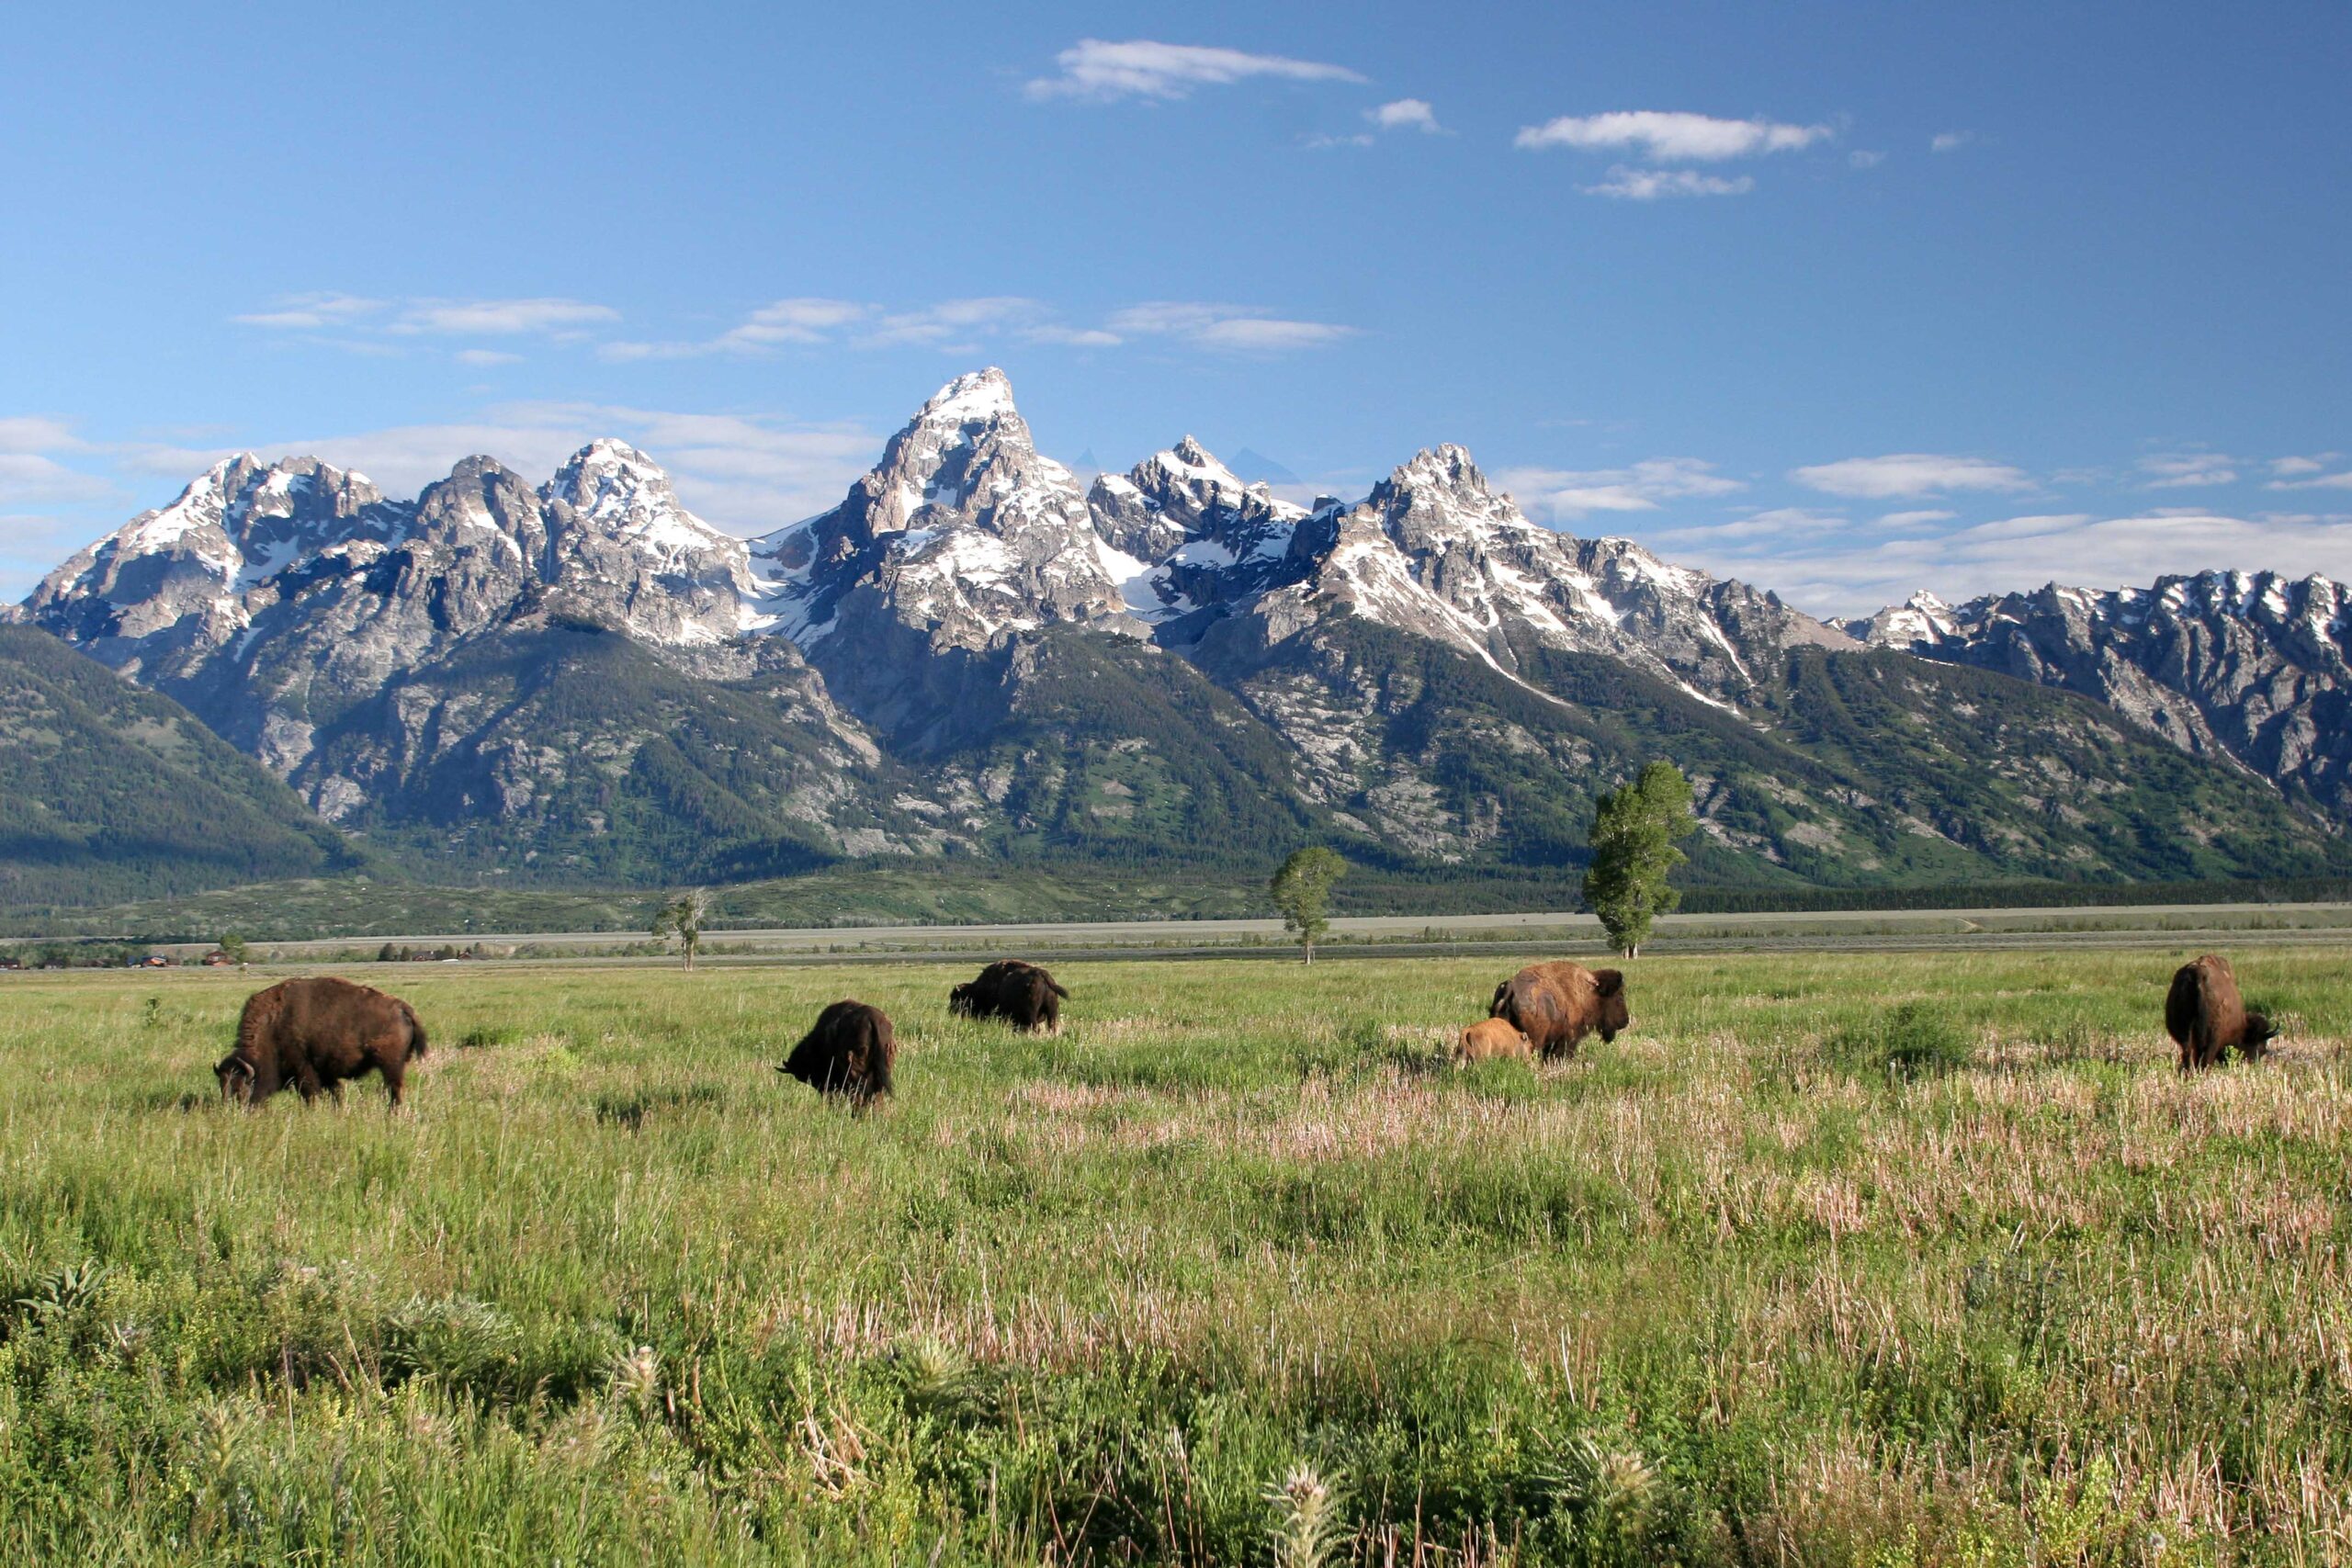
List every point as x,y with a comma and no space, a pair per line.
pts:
356,324
315,312
1671,137
1234,329
1861,158
1654,185
1558,494
2309,472
500,318
1141,68
1951,140
1904,474
2187,471
33,433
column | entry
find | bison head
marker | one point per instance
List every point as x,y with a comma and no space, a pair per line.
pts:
2260,1032
1615,1016
959,1001
236,1075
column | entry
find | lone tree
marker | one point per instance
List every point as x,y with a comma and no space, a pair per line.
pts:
684,917
1302,891
1633,831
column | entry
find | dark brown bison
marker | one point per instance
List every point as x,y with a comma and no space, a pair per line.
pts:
2206,1019
1556,1005
1012,989
849,1052
314,1035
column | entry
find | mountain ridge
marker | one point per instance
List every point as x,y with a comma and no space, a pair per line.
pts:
972,654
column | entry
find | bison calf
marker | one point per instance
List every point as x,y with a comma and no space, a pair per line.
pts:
1556,1005
2206,1018
315,1034
1492,1039
849,1052
1012,989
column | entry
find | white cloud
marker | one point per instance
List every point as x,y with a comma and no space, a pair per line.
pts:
1952,141
1097,69
30,433
1074,337
1903,521
1405,114
1666,137
500,317
1862,159
2187,471
1558,494
2309,473
1240,329
955,323
1904,474
1652,184
487,356
312,312
28,477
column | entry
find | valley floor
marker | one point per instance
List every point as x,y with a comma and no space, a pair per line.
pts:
1236,1265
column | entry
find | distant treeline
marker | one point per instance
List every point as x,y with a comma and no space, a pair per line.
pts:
2013,896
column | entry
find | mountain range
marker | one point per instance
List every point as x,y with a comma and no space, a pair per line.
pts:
976,656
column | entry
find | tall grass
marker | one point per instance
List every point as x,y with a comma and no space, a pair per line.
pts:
1868,1259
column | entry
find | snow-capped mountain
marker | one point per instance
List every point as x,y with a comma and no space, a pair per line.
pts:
2248,666
973,654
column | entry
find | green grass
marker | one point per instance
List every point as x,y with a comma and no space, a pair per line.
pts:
1238,1270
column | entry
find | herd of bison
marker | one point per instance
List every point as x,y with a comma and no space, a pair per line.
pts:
315,1034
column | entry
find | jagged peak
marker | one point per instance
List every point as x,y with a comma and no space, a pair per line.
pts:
977,397
1443,467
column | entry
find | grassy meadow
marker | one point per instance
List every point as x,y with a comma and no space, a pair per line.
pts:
1236,1271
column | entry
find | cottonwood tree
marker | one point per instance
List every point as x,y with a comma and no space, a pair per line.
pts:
1302,891
684,917
1633,833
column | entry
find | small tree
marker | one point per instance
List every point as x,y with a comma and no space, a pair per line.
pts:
684,917
232,946
1302,891
1633,831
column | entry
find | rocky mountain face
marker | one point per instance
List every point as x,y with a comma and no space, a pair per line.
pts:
2249,668
973,655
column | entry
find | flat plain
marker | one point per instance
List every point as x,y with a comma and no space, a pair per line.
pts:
1858,1257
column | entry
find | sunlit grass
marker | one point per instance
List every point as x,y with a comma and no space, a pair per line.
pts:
1240,1268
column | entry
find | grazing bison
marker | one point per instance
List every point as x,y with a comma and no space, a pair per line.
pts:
2206,1019
1012,989
315,1034
1492,1039
1556,1005
848,1051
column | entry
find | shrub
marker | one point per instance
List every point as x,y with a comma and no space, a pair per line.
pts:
1913,1041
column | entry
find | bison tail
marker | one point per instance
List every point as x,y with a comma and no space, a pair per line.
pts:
1058,990
416,1040
1495,1008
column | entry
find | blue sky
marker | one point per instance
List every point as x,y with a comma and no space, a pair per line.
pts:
1845,300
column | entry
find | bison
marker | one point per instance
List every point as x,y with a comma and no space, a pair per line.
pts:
848,1051
316,1033
1492,1039
1556,1005
1015,990
2206,1019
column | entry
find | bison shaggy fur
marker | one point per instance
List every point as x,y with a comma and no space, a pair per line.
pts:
1556,1005
2207,1019
1020,992
317,1033
848,1051
1493,1040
